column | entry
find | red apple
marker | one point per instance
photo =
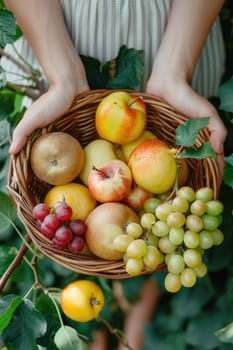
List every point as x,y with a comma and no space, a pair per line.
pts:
57,158
136,197
110,181
120,117
104,224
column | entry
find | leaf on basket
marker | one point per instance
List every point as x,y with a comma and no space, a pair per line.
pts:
204,151
186,133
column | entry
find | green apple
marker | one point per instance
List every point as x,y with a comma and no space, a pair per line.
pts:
96,152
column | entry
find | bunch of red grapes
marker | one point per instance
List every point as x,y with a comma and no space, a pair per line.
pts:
57,225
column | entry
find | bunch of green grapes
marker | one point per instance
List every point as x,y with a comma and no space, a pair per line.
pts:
178,232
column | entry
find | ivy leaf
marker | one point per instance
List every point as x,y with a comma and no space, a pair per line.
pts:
204,151
186,133
8,305
27,325
228,175
67,338
225,94
7,28
129,69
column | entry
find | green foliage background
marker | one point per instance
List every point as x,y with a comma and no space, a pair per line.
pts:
199,318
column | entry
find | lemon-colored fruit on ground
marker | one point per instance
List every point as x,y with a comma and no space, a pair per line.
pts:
82,300
77,196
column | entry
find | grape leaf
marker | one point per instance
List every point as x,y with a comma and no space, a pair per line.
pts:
8,305
204,151
226,334
186,133
27,326
225,93
96,75
227,175
7,212
67,338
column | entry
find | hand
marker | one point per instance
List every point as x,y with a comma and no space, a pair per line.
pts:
178,93
46,109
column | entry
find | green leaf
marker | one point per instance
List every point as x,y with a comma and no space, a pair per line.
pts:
27,326
7,213
225,94
67,338
129,69
7,28
225,334
186,133
8,305
7,104
228,175
229,159
204,151
200,331
96,76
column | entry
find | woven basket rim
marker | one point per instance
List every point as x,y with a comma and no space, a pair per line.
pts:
20,180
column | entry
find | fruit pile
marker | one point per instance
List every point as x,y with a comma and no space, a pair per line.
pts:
124,196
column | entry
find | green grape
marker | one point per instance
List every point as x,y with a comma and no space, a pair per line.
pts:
198,207
165,245
151,239
151,204
192,257
172,282
121,242
220,218
134,266
163,210
210,222
160,229
218,236
134,229
176,235
188,277
206,239
176,219
180,204
205,194
151,258
191,239
136,249
147,220
176,264
201,270
194,223
186,192
214,207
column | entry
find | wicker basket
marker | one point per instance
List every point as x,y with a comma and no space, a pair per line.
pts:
26,189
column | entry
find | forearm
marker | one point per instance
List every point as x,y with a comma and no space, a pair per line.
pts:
188,26
43,25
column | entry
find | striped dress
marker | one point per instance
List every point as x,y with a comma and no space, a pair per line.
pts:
98,28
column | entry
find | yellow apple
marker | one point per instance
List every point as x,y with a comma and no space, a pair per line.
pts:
56,158
96,152
153,166
104,224
129,147
120,117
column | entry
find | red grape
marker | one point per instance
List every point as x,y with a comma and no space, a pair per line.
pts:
46,230
51,221
78,227
63,211
63,234
76,245
40,211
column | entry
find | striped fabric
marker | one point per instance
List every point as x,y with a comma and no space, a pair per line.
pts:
99,27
